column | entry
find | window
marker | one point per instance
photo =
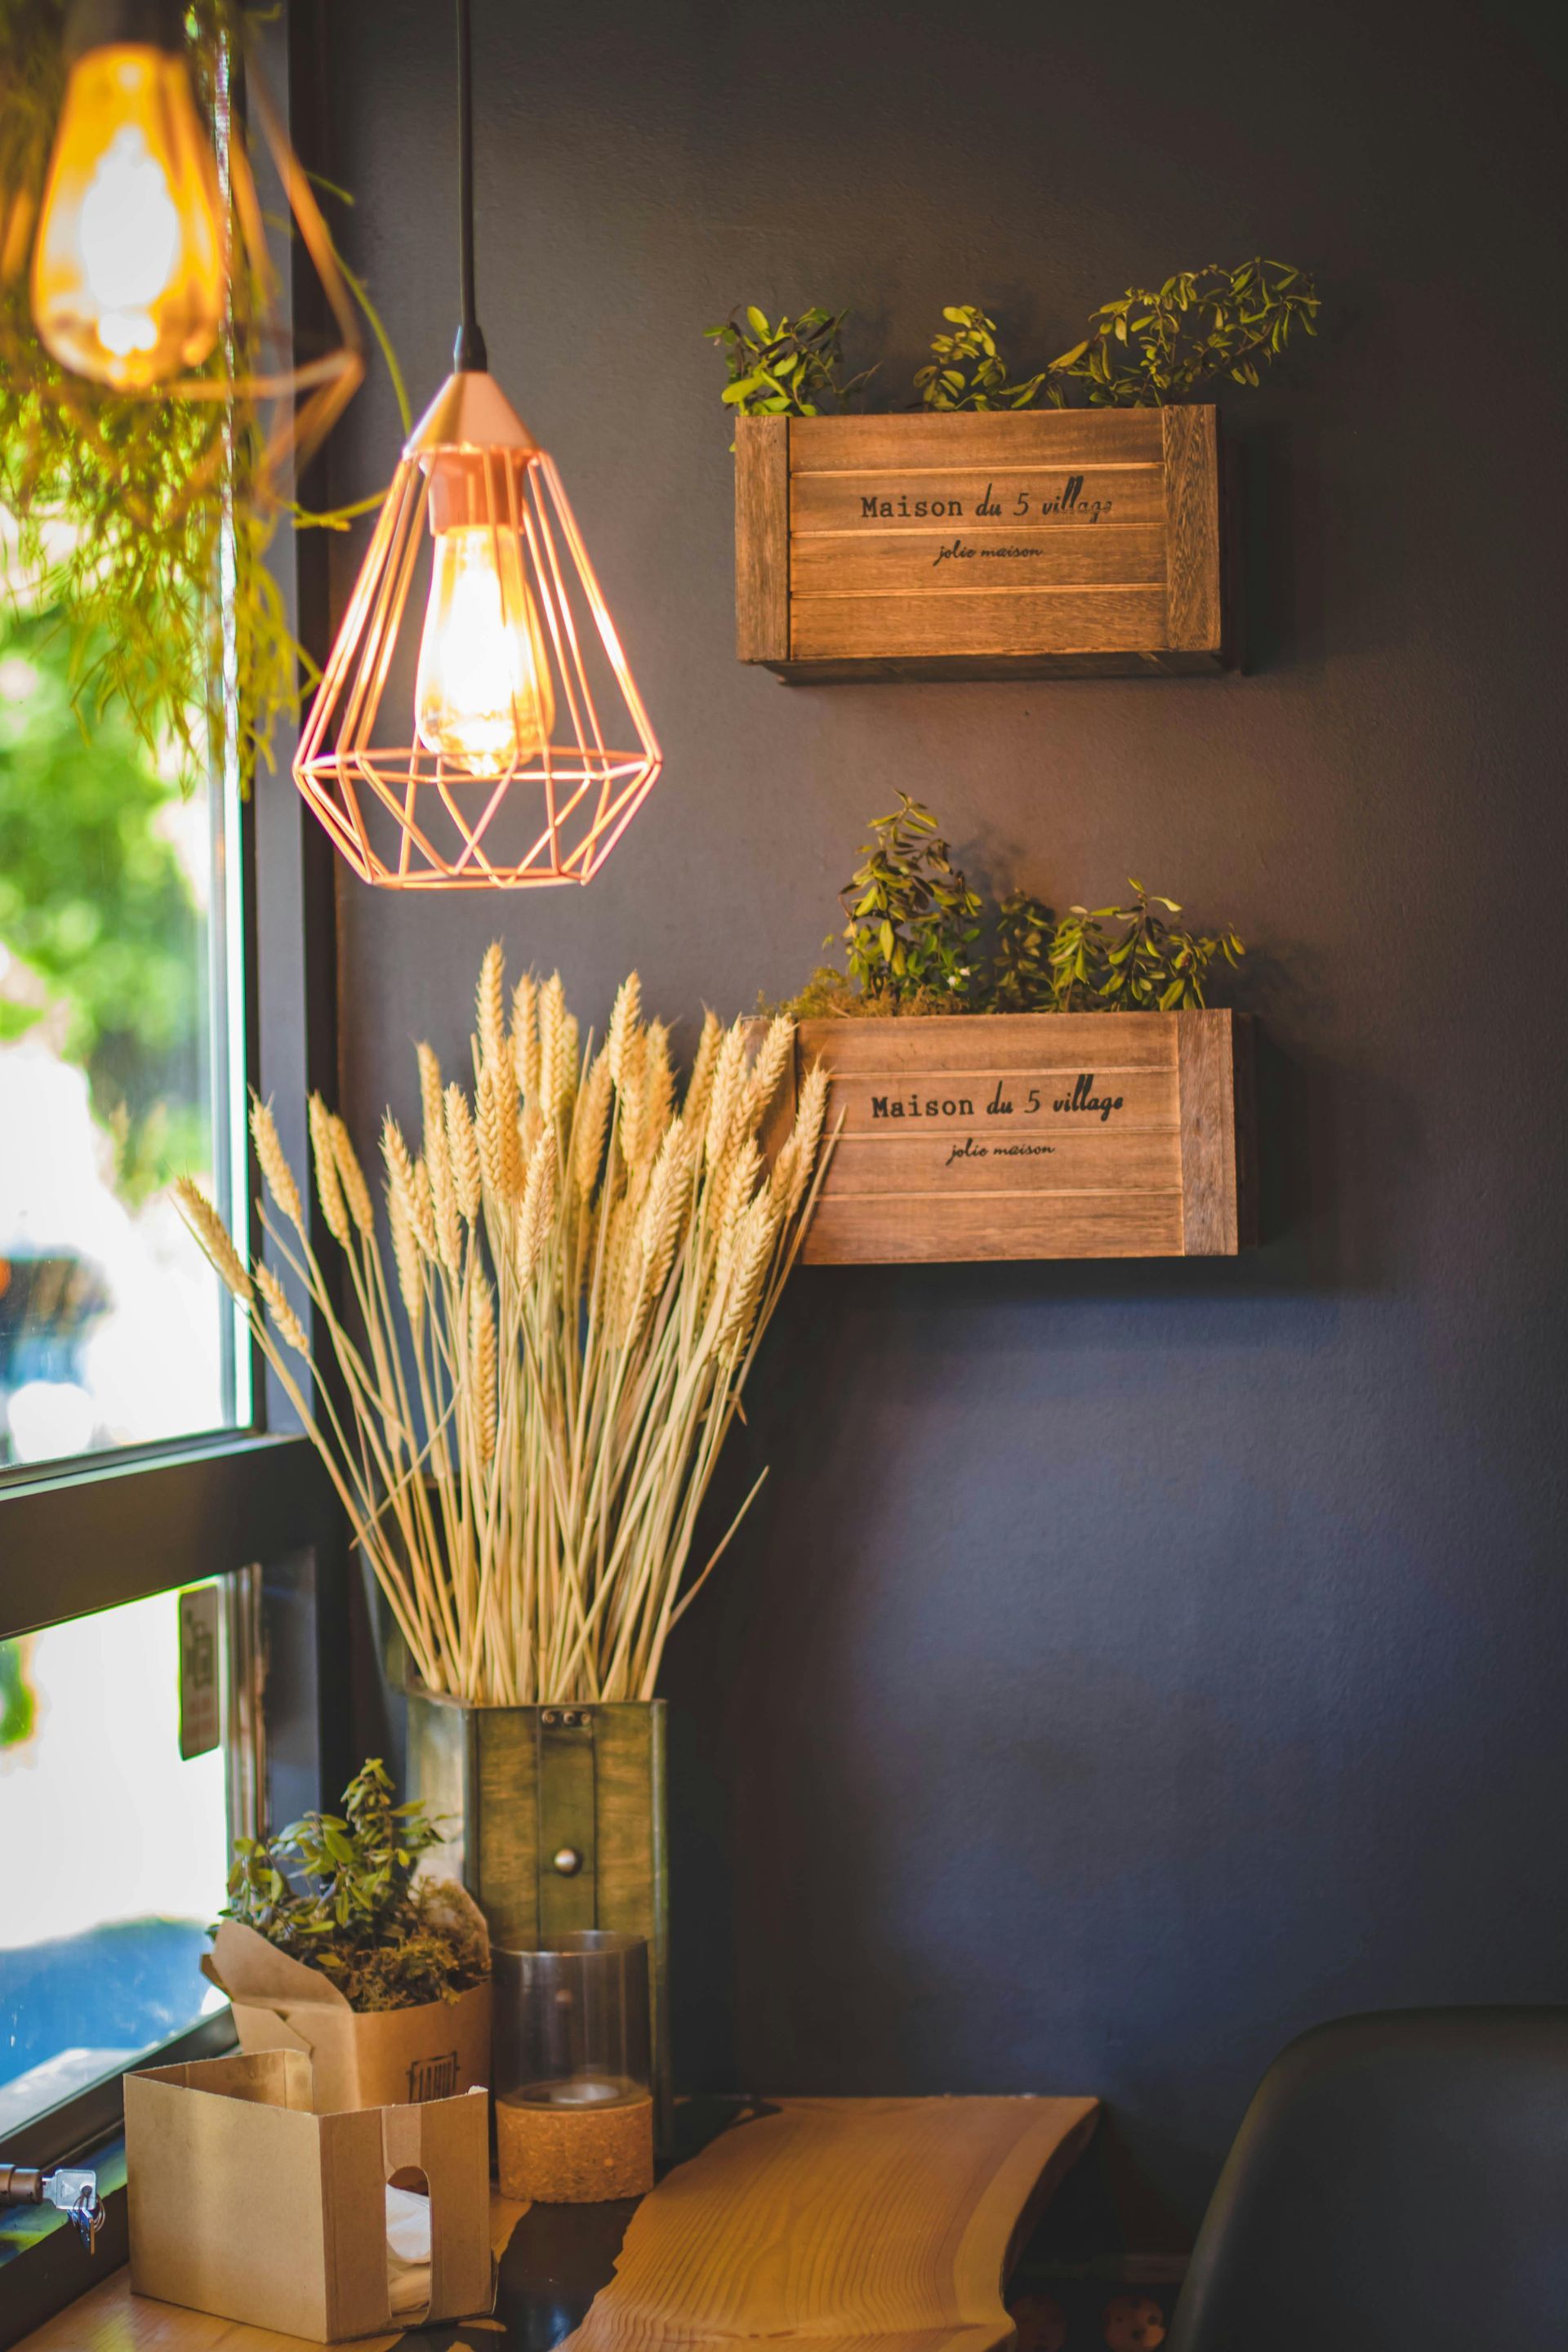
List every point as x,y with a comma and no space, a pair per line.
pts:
158,953
120,1066
114,1854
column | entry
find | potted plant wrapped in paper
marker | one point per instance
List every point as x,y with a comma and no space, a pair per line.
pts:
583,1263
330,1943
1079,1098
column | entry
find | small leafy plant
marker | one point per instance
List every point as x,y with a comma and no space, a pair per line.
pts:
384,1941
912,924
1021,977
1147,349
787,367
1144,964
967,371
911,943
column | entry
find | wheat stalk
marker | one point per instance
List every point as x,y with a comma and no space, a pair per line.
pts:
525,1421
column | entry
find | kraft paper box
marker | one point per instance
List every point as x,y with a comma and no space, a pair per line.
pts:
247,2203
372,2060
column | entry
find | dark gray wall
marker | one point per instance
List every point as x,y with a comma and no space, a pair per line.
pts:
1126,1666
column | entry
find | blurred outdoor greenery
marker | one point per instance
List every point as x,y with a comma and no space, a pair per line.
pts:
105,940
18,1700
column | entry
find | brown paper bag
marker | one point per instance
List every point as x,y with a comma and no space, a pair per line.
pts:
382,2058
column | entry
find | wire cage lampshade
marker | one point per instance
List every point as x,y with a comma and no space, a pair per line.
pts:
529,750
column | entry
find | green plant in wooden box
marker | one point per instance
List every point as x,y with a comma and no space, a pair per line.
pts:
785,367
1080,1097
1104,959
913,924
1149,347
912,928
1152,346
967,369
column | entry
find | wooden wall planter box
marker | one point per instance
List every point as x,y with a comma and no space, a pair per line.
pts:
1023,1135
1057,543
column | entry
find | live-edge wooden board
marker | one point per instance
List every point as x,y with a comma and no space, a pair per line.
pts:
856,2225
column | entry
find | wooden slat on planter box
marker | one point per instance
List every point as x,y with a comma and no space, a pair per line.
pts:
993,623
1052,543
877,562
1021,1135
762,514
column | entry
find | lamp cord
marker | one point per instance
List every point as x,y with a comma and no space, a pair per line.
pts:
469,352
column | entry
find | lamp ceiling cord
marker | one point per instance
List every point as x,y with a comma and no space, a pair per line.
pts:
469,352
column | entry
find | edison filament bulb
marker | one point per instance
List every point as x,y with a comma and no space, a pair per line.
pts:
482,697
128,276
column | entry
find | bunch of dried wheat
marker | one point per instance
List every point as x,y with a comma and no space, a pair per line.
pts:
585,1272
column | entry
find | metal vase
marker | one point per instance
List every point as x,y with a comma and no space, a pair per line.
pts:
555,1822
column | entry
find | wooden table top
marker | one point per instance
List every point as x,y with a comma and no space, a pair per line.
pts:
879,2225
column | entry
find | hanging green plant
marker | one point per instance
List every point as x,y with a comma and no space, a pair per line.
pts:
137,526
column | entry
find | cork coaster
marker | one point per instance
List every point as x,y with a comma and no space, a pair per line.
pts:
575,2156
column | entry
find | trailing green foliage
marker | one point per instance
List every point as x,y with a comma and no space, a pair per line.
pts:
788,367
385,1942
913,923
967,371
1148,348
135,524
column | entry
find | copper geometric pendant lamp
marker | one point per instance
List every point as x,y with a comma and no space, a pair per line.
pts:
525,748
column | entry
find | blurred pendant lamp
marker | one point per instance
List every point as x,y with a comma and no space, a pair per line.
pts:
134,282
526,748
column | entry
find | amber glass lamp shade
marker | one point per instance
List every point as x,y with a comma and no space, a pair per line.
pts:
152,272
485,732
129,266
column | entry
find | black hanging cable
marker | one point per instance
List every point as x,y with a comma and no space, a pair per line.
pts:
469,352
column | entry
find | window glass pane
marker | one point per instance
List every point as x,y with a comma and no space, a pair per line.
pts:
118,937
113,1853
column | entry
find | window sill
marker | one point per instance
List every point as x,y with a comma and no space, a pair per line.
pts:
44,2264
112,1530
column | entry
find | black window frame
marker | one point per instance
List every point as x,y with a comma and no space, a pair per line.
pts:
119,1527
